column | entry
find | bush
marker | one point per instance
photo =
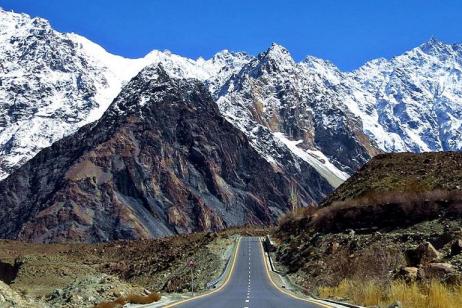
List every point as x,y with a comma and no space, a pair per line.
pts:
143,299
431,295
379,210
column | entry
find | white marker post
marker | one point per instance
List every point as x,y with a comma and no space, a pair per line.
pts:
191,264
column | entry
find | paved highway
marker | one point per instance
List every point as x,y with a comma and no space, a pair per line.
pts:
249,285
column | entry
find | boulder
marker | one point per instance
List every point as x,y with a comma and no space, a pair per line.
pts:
333,247
426,253
436,270
456,247
408,273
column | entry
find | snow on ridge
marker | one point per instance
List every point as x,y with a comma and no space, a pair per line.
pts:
71,82
316,159
411,102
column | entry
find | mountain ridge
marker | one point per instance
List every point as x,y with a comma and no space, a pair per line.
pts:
161,161
294,113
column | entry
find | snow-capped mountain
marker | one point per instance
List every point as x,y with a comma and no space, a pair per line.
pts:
275,98
296,115
337,120
161,161
52,83
412,102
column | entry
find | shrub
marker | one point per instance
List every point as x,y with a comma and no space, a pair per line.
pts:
414,295
378,210
143,299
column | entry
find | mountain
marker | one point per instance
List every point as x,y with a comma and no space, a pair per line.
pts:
274,98
297,115
411,102
339,120
161,160
52,83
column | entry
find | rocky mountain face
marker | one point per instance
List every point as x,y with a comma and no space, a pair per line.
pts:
295,114
274,98
339,120
410,103
52,83
160,161
313,124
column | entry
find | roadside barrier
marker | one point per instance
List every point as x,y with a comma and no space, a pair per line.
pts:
213,284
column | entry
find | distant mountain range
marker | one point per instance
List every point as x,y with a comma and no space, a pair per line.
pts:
308,127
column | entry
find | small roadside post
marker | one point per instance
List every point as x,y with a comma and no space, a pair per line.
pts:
191,265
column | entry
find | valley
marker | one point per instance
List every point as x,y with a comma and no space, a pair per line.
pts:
237,180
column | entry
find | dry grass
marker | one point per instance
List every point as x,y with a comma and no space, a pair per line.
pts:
387,210
297,214
430,295
130,299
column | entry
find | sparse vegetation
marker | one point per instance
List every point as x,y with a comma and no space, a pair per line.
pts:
391,233
384,210
387,210
402,173
433,294
72,272
297,214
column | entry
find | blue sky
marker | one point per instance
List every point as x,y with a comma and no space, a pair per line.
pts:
346,32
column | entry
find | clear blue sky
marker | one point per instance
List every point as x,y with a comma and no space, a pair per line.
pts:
347,32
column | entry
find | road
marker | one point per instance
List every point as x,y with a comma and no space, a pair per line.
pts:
249,285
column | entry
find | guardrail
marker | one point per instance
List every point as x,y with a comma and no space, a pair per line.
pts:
292,285
212,284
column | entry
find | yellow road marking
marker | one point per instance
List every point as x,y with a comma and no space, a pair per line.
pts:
282,290
216,290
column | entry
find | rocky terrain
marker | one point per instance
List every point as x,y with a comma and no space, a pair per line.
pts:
279,103
398,218
52,83
299,115
82,275
161,161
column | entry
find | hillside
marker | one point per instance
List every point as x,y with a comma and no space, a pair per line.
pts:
402,173
397,219
82,275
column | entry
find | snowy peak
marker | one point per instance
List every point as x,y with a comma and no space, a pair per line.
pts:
70,82
11,22
435,47
229,58
52,83
143,89
317,64
277,57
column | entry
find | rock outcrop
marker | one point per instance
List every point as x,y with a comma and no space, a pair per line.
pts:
161,160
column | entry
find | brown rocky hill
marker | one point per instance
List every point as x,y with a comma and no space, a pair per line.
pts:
402,173
399,217
392,191
161,160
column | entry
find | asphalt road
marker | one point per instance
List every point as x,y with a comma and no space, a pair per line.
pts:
249,285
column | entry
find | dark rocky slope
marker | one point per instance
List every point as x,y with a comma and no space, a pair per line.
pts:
160,161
